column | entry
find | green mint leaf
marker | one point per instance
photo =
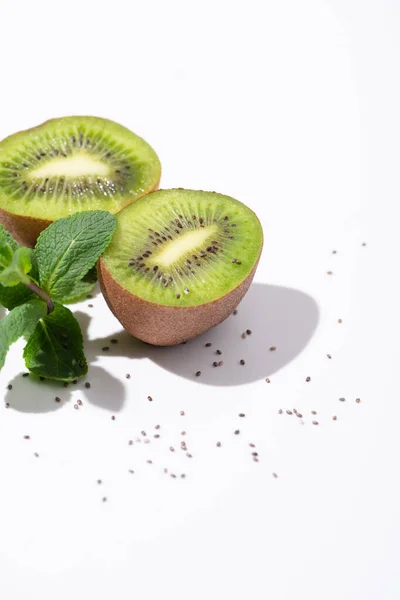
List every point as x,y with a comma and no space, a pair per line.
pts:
69,247
17,271
55,348
10,297
19,322
79,292
6,255
82,288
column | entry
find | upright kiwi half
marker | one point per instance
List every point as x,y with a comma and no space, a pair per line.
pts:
179,263
68,165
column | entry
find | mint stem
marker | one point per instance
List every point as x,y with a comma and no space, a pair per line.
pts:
39,292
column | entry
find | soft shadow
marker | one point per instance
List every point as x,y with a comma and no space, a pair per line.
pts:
277,316
31,395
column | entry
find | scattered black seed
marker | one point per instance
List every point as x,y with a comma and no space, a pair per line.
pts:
79,402
252,445
131,471
113,418
208,344
99,481
342,399
105,348
221,363
243,336
27,437
289,412
272,348
248,331
280,411
275,475
76,406
340,321
25,374
218,444
87,385
114,341
364,244
329,273
65,384
268,380
315,423
42,379
329,356
127,376
334,417
173,475
36,455
242,415
218,352
235,312
299,415
182,413
358,400
130,443
189,455
150,462
334,251
242,362
104,499
254,453
90,305
172,449
7,405
157,427
149,398
143,433
156,435
308,379
215,364
236,432
198,373
9,387
313,412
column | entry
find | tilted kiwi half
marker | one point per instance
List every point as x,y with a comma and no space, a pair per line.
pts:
68,165
179,263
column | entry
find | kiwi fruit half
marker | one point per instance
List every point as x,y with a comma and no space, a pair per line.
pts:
68,165
179,263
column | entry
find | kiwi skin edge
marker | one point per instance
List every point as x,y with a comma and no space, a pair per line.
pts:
162,325
25,230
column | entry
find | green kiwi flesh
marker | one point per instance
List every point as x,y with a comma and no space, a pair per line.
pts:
73,164
179,250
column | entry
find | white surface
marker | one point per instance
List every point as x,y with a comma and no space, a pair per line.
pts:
292,107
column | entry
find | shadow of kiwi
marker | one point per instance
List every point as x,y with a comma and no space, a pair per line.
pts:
276,316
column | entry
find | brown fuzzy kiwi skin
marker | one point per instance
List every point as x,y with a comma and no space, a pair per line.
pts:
26,230
161,325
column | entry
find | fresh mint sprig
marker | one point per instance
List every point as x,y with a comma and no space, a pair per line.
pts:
34,285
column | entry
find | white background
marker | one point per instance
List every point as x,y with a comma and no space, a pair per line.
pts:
292,107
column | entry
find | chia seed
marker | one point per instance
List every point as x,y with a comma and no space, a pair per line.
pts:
114,341
105,348
198,373
149,398
268,380
334,417
237,431
248,331
127,376
358,400
9,387
315,423
342,399
218,444
208,344
113,418
87,385
272,348
308,379
76,406
57,399
242,362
